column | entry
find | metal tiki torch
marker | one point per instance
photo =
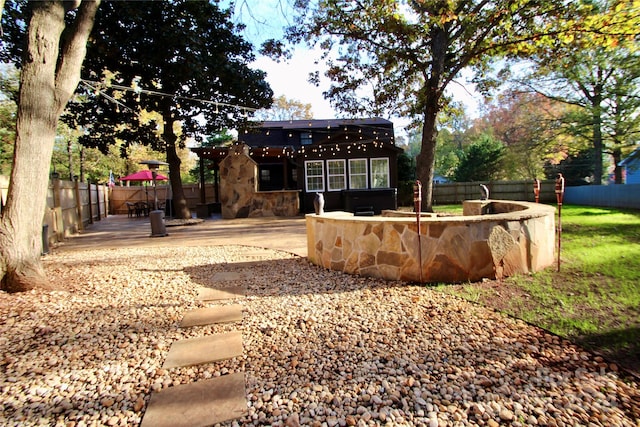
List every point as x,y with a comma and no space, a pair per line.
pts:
417,206
559,197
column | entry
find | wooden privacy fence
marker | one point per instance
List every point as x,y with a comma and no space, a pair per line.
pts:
71,205
139,193
457,192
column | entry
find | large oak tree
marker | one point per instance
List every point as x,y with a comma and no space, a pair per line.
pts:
55,48
184,60
395,56
604,83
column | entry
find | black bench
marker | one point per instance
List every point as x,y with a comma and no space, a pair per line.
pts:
363,211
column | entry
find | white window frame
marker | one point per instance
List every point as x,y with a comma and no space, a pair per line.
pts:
366,173
373,181
307,176
330,175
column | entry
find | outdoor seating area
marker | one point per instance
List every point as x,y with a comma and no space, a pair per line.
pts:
137,209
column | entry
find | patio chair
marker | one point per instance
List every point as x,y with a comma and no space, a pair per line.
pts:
142,208
131,209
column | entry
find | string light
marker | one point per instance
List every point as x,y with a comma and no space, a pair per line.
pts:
95,86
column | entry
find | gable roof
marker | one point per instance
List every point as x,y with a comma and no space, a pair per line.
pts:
635,155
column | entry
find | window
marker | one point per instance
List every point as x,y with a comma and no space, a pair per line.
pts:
336,178
357,173
306,138
265,175
380,173
314,174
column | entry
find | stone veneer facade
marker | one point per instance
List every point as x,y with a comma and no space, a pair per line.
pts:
493,239
239,195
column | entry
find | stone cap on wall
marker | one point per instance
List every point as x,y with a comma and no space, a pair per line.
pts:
473,211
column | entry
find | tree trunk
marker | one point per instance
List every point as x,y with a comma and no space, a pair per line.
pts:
596,102
597,148
617,158
426,160
179,201
50,74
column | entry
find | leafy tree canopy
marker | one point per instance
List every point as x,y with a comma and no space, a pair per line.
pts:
597,73
285,109
577,169
189,50
166,72
398,57
481,161
530,126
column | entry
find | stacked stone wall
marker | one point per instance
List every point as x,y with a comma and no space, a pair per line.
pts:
447,249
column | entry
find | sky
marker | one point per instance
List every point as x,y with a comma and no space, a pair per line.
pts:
265,19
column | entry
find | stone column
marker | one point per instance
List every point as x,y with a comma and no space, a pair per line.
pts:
238,182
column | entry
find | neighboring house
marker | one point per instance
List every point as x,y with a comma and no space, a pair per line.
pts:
632,167
439,179
352,162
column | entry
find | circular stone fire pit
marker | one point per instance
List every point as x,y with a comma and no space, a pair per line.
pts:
492,239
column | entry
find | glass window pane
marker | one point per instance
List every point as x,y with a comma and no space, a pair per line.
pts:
314,174
380,173
335,175
357,173
359,181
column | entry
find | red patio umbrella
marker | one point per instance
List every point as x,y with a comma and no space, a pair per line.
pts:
143,175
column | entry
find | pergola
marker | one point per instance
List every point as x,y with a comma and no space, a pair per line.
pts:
258,154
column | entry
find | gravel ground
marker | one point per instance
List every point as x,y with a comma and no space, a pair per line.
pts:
320,348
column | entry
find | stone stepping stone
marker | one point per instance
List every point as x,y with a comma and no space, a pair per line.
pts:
229,292
202,403
226,276
211,315
210,348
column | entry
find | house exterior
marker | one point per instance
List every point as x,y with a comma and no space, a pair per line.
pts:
352,162
632,167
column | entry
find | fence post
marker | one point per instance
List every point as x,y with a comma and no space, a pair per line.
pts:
98,201
58,222
90,207
78,203
107,206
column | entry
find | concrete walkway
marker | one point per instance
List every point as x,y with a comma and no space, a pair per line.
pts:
119,231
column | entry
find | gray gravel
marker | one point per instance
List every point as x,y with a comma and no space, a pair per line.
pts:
320,348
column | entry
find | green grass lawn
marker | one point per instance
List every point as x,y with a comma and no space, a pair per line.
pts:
595,298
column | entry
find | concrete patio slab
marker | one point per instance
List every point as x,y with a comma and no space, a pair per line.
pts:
202,403
117,231
212,315
210,348
255,255
229,292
